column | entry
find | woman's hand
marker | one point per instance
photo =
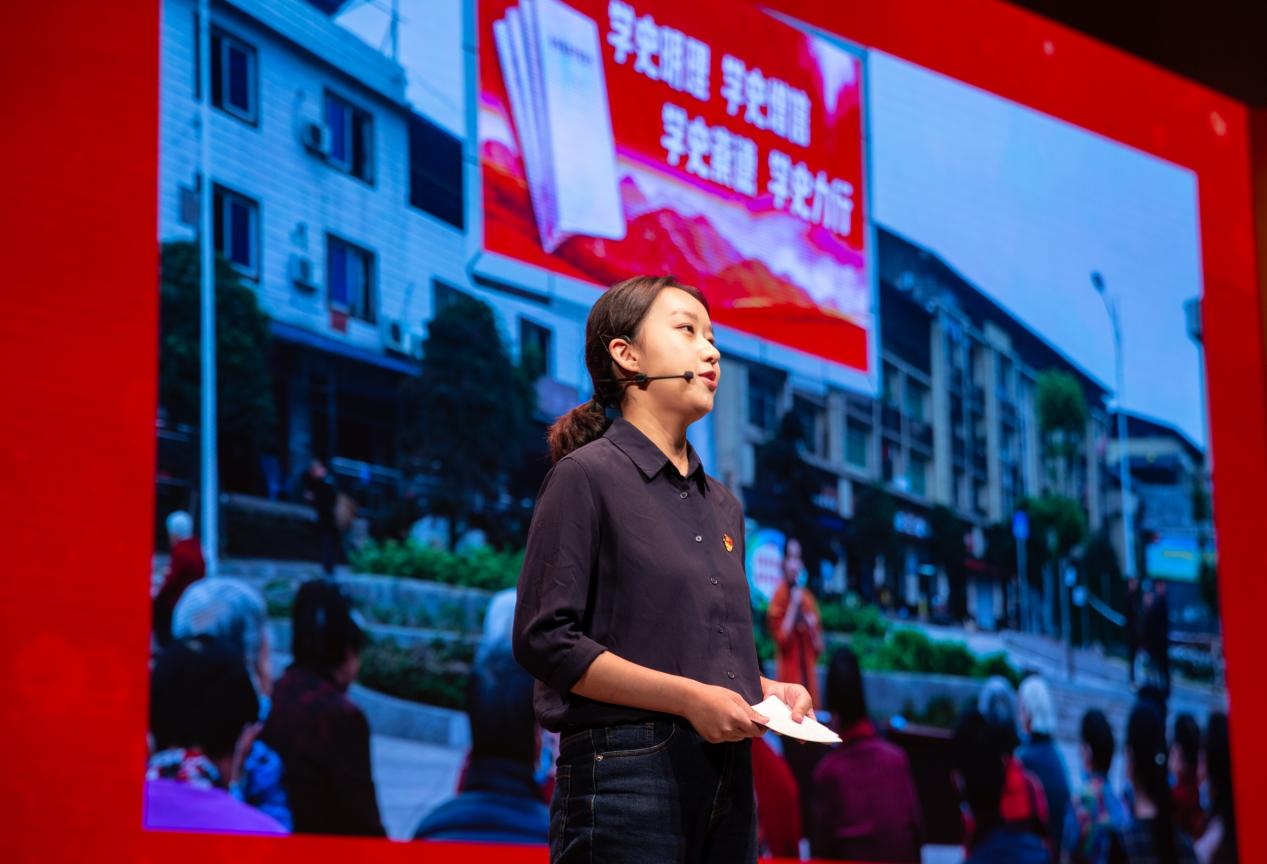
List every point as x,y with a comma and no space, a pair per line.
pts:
794,696
719,714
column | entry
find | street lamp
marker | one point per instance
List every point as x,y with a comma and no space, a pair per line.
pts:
1124,473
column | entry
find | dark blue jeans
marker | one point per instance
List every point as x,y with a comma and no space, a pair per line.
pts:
652,793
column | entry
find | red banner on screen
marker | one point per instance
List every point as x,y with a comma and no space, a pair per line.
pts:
702,139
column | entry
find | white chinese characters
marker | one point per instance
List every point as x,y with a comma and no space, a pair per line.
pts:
660,53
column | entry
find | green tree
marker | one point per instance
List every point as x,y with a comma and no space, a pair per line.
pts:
873,532
1059,518
467,413
246,414
789,486
1061,406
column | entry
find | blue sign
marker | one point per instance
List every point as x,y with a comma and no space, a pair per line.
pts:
1020,525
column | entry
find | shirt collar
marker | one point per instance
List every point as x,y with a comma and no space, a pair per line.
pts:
649,458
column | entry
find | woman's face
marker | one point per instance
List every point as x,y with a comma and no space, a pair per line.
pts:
793,564
676,336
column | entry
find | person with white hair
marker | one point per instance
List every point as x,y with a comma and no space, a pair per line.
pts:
184,569
1022,804
1040,756
232,611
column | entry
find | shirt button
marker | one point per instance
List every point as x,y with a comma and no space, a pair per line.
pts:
699,539
684,494
721,629
730,675
714,581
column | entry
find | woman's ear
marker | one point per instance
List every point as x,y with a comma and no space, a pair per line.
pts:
624,353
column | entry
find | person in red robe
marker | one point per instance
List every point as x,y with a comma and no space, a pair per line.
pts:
794,623
184,569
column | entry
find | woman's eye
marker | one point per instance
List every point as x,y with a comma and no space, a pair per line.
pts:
688,327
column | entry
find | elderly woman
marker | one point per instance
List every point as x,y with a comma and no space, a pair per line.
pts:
230,610
1040,757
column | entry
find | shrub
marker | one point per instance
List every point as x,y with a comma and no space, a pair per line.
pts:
844,618
484,568
434,673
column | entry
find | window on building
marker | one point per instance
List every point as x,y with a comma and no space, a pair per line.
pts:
891,385
764,389
917,474
234,76
534,348
888,457
351,137
857,439
915,400
813,420
350,278
236,221
435,171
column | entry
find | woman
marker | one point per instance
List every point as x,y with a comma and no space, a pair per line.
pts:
1152,835
633,608
229,609
793,621
1040,756
203,712
1218,844
321,734
865,807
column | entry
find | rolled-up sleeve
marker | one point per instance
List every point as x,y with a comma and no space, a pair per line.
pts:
554,584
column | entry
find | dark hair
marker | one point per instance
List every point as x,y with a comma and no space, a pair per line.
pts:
845,696
1218,766
324,628
1187,737
617,314
1097,734
978,757
201,695
1146,742
499,705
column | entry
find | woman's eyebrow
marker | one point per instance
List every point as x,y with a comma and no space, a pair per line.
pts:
695,318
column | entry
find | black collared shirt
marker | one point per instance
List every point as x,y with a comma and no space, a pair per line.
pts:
627,555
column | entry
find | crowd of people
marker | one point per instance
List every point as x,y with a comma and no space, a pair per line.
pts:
234,750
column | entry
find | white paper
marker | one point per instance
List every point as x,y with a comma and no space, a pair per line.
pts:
781,721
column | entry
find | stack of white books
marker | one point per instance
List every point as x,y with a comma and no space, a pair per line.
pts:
551,59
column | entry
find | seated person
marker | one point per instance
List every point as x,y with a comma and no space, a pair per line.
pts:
498,798
203,714
322,737
864,803
230,609
981,751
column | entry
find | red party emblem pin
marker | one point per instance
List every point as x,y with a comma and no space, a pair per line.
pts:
728,543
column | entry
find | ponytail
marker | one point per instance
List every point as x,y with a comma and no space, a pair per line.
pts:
585,423
1146,741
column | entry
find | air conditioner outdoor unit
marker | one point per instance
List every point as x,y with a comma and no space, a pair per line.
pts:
302,272
396,336
316,138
